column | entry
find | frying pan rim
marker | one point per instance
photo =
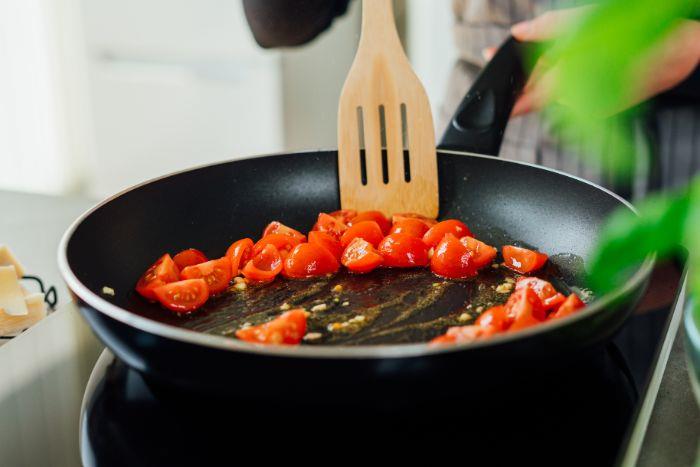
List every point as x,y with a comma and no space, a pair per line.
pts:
327,352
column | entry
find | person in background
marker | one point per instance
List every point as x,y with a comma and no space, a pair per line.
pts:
671,132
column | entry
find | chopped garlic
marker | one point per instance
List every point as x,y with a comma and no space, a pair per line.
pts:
464,317
240,286
285,306
321,307
312,336
345,304
504,288
495,265
108,291
238,280
480,309
338,288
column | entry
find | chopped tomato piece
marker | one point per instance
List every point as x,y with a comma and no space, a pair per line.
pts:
495,317
452,226
482,254
239,253
375,216
366,230
330,225
288,328
463,334
344,215
283,243
396,218
523,260
276,227
403,251
216,273
410,226
309,260
452,259
327,241
264,266
361,257
183,296
160,273
189,257
524,307
548,295
569,307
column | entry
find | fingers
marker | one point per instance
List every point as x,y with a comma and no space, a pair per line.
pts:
547,25
488,53
535,96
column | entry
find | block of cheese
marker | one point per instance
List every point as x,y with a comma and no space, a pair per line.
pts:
11,295
11,325
8,259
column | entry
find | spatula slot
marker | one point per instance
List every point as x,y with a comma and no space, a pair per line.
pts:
404,139
382,139
361,139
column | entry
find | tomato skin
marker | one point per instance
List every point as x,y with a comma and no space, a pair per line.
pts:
570,306
264,266
283,243
189,257
216,273
483,254
495,317
463,335
361,257
452,259
548,295
239,253
163,271
524,307
409,226
327,241
366,230
330,225
276,227
452,226
344,215
523,260
403,251
375,216
287,329
183,296
396,218
309,260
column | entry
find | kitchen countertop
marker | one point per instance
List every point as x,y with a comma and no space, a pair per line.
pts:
32,225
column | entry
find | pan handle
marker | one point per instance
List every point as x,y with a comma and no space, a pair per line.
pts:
480,121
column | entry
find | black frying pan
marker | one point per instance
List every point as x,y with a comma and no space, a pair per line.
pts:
209,207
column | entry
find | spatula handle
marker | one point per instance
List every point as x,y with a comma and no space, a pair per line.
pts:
480,120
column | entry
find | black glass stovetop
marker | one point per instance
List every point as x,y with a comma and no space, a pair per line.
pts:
580,415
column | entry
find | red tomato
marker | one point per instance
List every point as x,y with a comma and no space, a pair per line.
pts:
413,227
344,215
309,260
412,215
403,251
160,273
366,230
523,306
327,241
283,243
569,307
288,328
452,259
360,256
183,296
548,295
264,266
330,225
482,254
457,228
463,334
216,273
279,228
375,216
239,253
189,257
523,260
495,317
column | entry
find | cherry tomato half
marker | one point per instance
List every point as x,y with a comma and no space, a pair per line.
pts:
463,334
276,227
216,273
361,257
495,317
523,306
239,253
327,241
309,260
412,215
483,254
264,266
452,226
183,296
375,216
283,243
548,295
366,230
330,225
344,215
409,226
189,257
403,251
160,273
452,259
523,260
569,307
288,328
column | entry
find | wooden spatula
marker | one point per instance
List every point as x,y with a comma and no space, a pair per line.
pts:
386,140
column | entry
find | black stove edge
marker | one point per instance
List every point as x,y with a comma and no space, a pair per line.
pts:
634,439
